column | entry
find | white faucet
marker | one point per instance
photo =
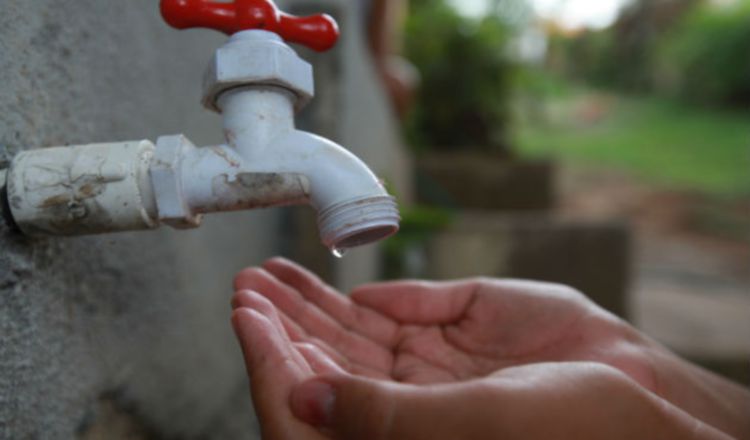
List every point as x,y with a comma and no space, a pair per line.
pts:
256,82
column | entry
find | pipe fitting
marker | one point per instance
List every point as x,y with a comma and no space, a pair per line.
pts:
167,180
86,189
356,222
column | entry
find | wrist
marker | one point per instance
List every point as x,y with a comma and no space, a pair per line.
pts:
704,395
707,396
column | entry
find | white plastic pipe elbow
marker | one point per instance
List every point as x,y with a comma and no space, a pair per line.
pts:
353,206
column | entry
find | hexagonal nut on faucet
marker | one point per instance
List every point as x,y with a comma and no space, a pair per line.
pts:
261,58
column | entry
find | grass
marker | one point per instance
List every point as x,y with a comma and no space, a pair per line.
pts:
661,141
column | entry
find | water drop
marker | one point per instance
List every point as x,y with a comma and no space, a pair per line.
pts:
338,252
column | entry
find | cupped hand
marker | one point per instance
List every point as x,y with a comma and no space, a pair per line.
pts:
434,332
481,345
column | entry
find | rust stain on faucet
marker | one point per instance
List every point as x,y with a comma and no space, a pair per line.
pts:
55,200
223,154
257,190
230,136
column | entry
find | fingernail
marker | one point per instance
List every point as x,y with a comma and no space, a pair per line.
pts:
312,402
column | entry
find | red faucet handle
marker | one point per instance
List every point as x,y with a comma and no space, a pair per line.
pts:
318,32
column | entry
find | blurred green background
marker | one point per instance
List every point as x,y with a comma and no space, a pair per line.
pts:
604,117
663,92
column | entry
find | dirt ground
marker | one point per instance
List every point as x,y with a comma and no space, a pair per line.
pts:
691,261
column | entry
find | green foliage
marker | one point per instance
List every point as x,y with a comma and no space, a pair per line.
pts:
707,55
660,140
418,223
466,78
699,52
591,56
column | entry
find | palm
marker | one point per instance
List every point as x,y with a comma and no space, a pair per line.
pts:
475,334
417,332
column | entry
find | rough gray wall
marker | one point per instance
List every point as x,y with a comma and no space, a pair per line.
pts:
128,334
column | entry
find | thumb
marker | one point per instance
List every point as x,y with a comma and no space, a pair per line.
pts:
351,407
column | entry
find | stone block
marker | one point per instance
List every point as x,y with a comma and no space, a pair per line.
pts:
591,257
479,181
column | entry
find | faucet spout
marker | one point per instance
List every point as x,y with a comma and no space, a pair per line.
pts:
353,206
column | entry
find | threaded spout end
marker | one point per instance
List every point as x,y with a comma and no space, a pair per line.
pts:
358,222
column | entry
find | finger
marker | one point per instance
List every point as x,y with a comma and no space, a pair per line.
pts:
364,321
273,369
418,302
348,365
314,321
244,298
278,336
318,360
347,407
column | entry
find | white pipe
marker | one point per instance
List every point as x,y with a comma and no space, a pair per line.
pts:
354,207
216,179
259,126
254,116
85,189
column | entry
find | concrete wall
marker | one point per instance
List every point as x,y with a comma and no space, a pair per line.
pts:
593,257
107,335
127,335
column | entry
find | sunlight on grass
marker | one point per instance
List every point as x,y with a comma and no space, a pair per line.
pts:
661,141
